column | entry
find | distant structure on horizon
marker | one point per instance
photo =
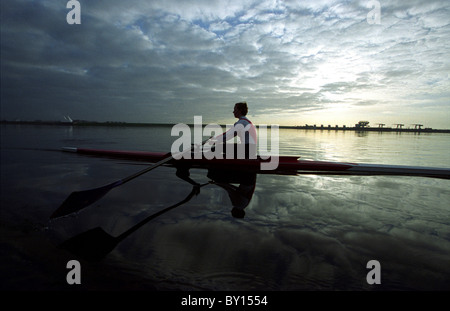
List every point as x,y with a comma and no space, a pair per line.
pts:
362,124
67,119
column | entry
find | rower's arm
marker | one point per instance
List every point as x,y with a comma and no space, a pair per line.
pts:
223,138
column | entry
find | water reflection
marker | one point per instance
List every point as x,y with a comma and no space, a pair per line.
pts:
239,185
308,232
95,244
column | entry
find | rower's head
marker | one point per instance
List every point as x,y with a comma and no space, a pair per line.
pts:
240,109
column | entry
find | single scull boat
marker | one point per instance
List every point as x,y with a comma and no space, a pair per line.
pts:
286,164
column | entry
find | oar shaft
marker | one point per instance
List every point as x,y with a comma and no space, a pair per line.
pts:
80,199
127,179
157,164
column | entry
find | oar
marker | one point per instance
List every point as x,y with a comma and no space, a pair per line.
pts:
80,199
95,244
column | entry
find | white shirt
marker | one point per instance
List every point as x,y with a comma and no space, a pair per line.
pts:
244,129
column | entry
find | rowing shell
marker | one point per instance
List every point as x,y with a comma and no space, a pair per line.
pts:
286,164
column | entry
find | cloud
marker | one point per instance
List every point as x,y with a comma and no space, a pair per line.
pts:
140,60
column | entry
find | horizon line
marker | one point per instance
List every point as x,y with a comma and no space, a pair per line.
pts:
305,126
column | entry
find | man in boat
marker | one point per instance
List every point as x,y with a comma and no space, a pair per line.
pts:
246,132
241,195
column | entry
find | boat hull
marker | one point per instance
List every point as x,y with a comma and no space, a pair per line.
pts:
290,165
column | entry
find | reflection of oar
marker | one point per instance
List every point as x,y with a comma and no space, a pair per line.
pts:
95,244
80,199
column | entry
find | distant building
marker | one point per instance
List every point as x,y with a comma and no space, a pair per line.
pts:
67,119
362,124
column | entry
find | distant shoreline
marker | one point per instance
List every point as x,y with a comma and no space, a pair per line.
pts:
304,127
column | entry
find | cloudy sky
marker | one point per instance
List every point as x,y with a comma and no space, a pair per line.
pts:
294,62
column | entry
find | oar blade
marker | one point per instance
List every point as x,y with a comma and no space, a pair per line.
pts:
92,245
80,199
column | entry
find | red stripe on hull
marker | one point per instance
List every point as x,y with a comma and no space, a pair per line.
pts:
284,162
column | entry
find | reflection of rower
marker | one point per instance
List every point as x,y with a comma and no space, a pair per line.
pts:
240,195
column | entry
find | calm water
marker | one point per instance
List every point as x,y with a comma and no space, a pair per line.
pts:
304,232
